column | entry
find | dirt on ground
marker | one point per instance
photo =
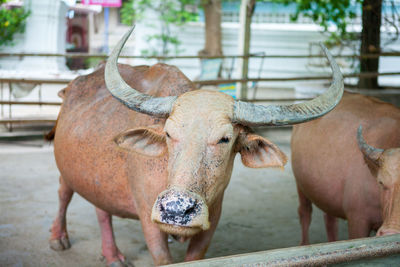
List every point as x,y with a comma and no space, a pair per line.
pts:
259,213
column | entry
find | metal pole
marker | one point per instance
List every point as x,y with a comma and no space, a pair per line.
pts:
40,96
106,18
2,105
9,107
246,12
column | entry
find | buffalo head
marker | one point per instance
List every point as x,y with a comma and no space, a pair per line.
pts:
384,165
202,134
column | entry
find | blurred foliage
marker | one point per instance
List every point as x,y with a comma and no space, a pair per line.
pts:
12,20
326,13
171,13
93,62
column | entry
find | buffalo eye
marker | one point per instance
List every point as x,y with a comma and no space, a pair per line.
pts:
167,134
382,185
223,140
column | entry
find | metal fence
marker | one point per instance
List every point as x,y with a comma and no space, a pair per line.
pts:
313,255
9,81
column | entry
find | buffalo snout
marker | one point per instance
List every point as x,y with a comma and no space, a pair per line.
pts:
180,212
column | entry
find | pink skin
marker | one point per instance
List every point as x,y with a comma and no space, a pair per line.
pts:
388,177
157,241
304,211
331,226
199,243
121,160
59,236
109,249
332,172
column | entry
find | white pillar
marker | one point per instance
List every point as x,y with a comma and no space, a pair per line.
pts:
45,32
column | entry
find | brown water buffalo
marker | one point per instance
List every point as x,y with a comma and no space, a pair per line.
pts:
162,152
341,174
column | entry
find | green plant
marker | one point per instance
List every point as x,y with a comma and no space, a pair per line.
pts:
12,20
339,13
132,10
170,13
93,62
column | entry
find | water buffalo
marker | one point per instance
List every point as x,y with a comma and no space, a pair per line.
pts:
345,177
162,152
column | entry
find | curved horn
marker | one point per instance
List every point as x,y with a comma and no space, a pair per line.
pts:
155,106
256,115
370,152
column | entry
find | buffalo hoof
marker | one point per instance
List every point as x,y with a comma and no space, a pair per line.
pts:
60,244
120,264
117,263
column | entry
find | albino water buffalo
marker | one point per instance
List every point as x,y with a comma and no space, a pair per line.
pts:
158,150
341,174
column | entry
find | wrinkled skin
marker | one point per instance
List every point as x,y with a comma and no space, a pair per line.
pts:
171,174
334,174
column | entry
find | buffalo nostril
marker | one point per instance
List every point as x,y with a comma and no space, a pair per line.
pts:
190,210
179,211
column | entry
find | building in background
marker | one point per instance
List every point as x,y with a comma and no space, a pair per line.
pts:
44,33
70,26
57,26
77,36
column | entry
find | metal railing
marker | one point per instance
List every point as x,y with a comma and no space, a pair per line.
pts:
203,82
312,255
9,81
162,58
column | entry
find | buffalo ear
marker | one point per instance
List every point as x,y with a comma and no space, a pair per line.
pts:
149,141
258,152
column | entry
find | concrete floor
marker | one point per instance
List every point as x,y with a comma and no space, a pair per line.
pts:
259,213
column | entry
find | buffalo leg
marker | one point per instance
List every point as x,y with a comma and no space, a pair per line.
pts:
358,227
331,226
59,235
199,243
304,210
109,249
157,242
